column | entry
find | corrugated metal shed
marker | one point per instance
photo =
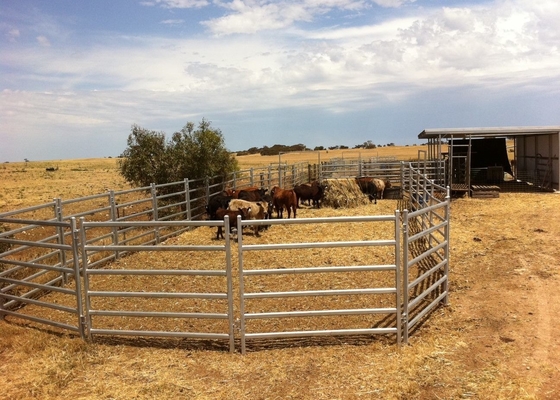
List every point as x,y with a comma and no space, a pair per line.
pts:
536,150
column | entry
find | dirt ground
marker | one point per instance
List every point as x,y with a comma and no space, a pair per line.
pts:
505,258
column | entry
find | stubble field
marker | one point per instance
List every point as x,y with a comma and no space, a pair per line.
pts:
497,339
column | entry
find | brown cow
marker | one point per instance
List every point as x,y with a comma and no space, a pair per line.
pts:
313,192
284,198
221,214
234,193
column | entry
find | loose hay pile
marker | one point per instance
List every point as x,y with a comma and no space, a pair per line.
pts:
343,193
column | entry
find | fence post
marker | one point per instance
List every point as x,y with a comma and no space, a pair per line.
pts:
85,262
76,245
155,216
114,218
405,277
398,304
252,178
60,238
188,198
360,169
446,251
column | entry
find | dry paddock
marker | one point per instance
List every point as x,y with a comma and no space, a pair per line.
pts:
482,346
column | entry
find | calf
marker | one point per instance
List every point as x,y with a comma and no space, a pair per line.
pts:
256,210
284,198
222,213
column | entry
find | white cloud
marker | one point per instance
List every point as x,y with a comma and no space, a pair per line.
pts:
173,21
43,41
178,3
251,16
13,35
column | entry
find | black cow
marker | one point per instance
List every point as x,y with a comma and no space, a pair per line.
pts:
304,192
318,193
367,187
218,201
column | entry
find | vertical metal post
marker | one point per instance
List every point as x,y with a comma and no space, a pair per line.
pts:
405,277
229,278
251,177
403,186
188,199
60,238
241,284
76,244
114,218
468,171
85,263
447,238
279,170
450,160
398,266
155,216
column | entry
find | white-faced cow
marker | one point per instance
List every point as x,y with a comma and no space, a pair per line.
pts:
258,210
373,187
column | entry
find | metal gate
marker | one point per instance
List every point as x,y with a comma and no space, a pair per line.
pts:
109,310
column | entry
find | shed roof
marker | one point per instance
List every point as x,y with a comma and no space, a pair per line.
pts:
488,132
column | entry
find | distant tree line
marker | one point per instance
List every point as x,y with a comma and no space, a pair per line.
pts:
280,148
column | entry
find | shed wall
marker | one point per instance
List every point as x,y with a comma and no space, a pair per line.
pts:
537,154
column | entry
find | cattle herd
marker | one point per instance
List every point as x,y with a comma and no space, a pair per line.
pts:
255,203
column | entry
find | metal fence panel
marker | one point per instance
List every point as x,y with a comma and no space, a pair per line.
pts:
156,306
382,304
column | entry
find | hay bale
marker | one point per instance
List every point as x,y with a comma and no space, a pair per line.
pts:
343,193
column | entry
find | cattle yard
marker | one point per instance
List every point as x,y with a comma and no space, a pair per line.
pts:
88,244
437,345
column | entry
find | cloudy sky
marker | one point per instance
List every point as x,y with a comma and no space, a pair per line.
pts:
76,75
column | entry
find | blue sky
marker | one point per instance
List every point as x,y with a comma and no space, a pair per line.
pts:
76,75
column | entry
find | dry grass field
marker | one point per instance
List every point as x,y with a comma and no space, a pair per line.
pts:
497,339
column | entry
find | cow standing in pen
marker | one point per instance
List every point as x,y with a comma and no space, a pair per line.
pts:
373,187
257,210
284,198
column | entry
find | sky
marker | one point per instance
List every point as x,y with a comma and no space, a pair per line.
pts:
75,76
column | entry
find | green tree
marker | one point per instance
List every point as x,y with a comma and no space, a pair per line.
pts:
191,153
